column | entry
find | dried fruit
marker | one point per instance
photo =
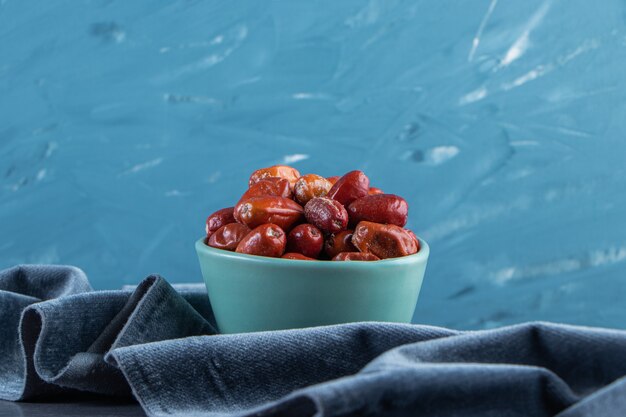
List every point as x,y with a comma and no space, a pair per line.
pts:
355,256
339,242
275,186
297,256
305,239
228,236
383,240
270,217
326,214
269,209
265,240
379,208
309,186
219,219
348,188
281,171
417,241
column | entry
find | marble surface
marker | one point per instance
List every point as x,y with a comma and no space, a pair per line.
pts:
124,124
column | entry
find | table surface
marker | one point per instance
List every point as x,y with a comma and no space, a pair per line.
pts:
100,408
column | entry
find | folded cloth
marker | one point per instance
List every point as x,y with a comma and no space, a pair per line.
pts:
59,337
55,330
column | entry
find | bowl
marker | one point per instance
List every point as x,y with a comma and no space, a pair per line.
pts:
256,293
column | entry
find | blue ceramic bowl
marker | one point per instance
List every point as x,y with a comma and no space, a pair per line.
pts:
255,293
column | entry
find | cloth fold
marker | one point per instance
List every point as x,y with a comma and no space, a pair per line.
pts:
62,342
158,343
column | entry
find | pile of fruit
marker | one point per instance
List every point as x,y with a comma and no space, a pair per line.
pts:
309,217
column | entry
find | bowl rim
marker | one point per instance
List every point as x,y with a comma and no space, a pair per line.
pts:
421,256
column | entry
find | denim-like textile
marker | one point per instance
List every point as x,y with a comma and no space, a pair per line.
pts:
58,337
55,331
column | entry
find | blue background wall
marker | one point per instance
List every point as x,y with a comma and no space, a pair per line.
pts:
123,124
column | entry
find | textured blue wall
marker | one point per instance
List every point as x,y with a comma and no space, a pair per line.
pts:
123,124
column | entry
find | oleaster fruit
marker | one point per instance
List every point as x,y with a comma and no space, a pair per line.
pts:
310,217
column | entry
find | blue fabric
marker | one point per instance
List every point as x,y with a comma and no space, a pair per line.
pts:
158,343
